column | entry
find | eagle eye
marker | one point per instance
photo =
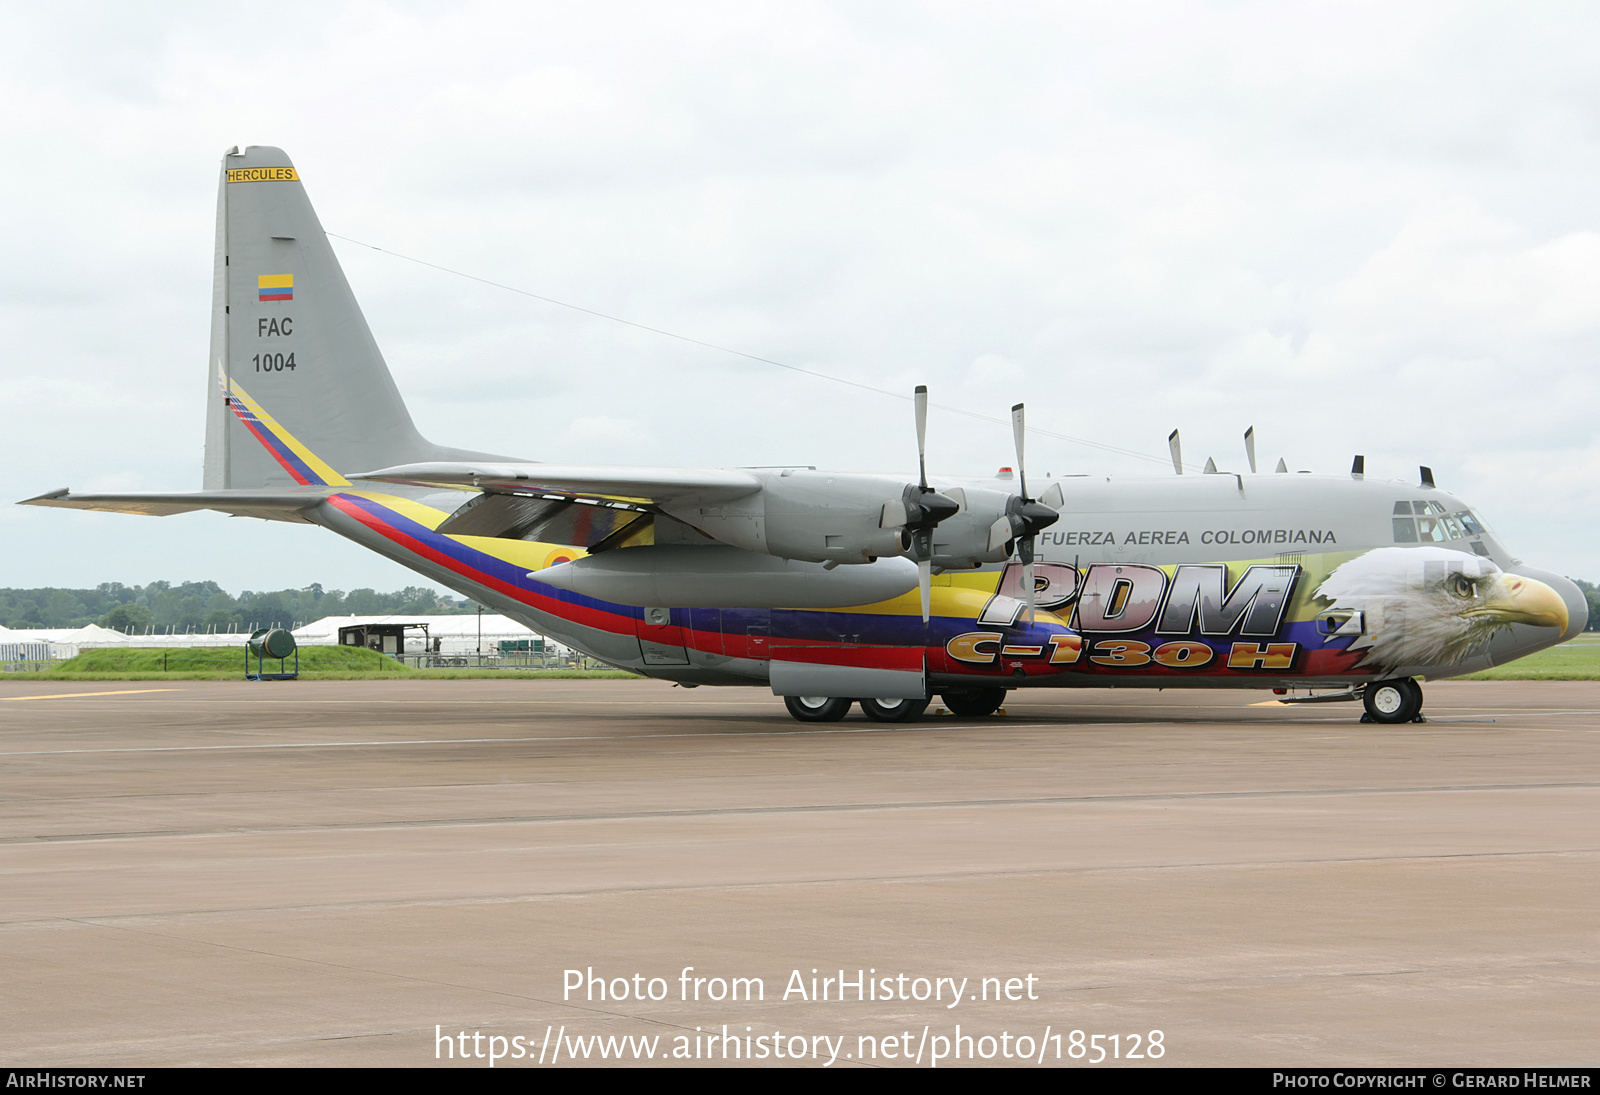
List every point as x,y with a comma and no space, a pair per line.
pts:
1459,585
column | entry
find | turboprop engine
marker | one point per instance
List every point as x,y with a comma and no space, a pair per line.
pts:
822,517
980,531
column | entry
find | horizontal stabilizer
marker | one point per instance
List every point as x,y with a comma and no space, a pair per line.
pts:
267,505
619,483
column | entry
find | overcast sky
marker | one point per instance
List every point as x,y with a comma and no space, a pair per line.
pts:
1361,228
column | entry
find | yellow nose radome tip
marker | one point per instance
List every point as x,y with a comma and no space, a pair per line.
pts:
1533,602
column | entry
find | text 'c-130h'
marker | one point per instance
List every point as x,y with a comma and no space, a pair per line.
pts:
835,588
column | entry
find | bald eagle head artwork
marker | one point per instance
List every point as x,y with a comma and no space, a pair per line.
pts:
1433,606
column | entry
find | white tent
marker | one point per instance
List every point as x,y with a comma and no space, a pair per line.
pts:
63,642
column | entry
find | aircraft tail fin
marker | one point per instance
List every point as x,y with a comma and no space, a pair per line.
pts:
299,393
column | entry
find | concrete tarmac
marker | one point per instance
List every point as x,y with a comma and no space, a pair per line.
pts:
372,873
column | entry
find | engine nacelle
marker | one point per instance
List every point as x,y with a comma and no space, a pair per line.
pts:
978,533
830,517
819,517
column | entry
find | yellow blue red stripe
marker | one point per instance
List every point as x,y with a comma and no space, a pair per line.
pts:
300,462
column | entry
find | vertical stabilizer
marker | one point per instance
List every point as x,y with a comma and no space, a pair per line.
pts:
299,392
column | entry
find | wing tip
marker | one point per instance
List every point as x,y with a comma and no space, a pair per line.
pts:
47,497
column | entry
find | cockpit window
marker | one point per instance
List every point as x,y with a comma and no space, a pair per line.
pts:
1438,527
1431,531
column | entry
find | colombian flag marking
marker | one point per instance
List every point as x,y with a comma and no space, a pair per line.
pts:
274,287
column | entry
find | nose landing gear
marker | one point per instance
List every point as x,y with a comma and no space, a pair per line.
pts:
1399,700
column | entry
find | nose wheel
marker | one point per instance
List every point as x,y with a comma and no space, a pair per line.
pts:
1399,700
974,704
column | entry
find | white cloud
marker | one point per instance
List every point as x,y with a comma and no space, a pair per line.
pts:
1358,227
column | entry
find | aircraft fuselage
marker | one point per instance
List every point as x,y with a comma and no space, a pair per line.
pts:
1214,580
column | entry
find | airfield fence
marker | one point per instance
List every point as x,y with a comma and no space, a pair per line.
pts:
180,661
31,657
513,661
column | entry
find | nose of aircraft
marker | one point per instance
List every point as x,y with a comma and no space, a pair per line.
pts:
1571,614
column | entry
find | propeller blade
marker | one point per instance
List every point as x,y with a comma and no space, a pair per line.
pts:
920,508
925,585
1027,581
1250,447
920,399
999,533
1018,429
1176,448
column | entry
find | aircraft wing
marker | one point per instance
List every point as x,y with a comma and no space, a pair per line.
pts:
268,505
614,483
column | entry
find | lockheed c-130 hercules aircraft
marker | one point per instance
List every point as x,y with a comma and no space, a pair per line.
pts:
835,588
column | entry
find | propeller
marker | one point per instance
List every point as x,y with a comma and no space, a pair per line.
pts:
1026,515
924,508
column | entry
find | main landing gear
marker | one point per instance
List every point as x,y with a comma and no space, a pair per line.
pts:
834,708
817,708
972,704
1399,700
893,710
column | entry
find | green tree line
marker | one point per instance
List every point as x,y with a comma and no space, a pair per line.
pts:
206,606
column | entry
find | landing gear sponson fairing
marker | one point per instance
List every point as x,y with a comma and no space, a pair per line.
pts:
835,588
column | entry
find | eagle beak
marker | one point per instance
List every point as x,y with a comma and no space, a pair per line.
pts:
1528,601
